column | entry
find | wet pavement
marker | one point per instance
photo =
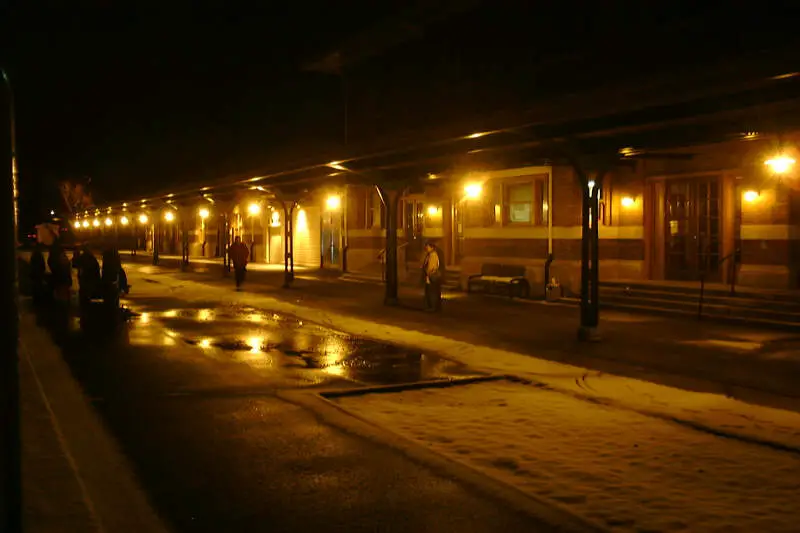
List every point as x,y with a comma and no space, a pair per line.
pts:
188,392
280,347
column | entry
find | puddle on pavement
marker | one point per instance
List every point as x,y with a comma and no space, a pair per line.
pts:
268,340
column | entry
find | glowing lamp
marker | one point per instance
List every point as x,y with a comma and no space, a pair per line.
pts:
333,202
85,224
203,213
169,216
751,196
96,223
108,221
254,208
473,190
142,219
627,201
433,210
77,225
780,164
124,221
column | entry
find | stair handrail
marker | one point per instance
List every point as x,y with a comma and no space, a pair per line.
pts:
382,259
733,258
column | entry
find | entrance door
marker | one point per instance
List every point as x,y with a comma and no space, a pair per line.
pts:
692,230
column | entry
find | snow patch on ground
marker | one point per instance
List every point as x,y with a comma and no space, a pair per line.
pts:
623,470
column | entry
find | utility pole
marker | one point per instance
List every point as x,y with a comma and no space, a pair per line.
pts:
11,482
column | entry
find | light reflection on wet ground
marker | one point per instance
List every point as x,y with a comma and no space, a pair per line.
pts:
277,343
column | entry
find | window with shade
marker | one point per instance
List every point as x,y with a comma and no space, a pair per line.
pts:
525,202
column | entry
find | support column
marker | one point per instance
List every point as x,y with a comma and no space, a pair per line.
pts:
224,241
184,245
156,241
288,243
390,199
590,256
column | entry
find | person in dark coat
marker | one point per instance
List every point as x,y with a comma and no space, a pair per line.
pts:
60,272
239,255
38,273
88,274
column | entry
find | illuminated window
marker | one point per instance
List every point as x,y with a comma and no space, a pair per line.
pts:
525,202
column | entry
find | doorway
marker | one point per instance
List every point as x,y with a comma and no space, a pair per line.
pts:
692,229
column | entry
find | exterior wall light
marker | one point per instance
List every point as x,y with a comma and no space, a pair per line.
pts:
433,210
751,196
169,216
108,221
96,223
85,224
254,209
77,224
333,202
627,201
473,190
124,221
203,212
780,164
143,219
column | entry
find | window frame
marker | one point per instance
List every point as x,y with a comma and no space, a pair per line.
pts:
538,184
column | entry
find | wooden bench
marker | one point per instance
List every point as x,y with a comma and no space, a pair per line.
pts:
507,278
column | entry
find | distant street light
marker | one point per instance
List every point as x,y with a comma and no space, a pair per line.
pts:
96,223
203,213
77,224
109,222
143,219
254,209
85,224
169,216
123,221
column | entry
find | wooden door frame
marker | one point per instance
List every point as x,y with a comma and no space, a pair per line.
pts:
654,216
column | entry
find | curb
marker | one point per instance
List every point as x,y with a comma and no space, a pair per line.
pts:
110,491
328,412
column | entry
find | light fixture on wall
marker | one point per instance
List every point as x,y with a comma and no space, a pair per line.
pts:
627,201
85,224
780,164
254,209
751,196
123,220
434,210
109,221
203,212
143,219
96,223
333,202
169,216
473,190
77,224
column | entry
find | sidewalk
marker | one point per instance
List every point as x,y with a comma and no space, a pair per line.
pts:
74,477
681,353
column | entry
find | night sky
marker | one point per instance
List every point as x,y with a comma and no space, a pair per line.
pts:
138,99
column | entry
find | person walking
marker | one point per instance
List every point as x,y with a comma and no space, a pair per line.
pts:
239,255
433,278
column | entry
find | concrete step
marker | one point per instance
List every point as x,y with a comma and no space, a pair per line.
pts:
711,289
738,301
711,316
691,306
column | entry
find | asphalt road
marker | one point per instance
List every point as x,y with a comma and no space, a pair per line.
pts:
188,391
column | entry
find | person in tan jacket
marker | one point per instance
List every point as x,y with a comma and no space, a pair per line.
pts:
432,273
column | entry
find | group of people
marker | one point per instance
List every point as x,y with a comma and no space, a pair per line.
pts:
94,281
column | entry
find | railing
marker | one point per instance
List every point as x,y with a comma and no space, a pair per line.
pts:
732,258
382,260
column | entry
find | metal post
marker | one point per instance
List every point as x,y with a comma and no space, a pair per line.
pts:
224,241
288,244
11,483
390,199
156,241
343,235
